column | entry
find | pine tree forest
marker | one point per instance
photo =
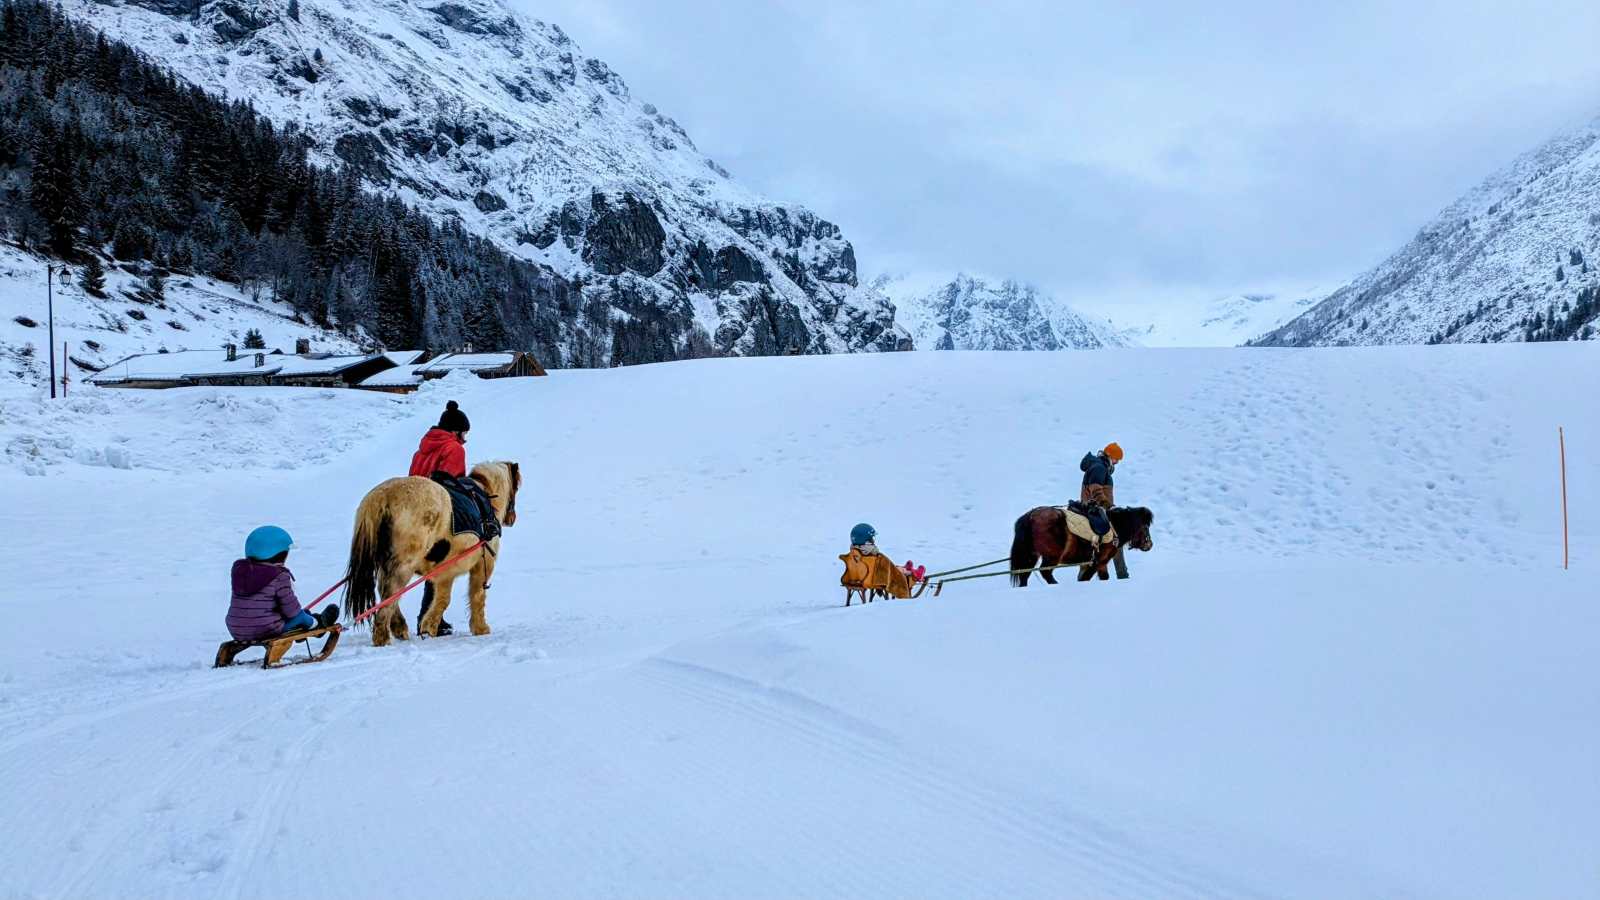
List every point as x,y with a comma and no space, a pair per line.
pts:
103,151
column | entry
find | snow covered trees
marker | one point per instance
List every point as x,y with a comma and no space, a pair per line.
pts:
113,149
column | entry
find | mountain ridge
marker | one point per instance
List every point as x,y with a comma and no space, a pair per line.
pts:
471,111
969,312
1513,259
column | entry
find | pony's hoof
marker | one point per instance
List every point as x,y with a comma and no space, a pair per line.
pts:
480,630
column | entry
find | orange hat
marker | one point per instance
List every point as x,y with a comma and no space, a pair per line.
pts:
1113,451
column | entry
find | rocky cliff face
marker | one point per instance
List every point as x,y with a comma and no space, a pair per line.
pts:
969,313
1513,260
474,112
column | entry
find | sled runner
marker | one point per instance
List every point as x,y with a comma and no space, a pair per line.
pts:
278,646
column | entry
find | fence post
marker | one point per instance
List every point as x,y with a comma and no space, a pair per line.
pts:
1565,551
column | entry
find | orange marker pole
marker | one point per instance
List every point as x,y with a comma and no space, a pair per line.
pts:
1560,433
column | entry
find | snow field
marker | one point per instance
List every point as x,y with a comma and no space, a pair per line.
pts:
1350,666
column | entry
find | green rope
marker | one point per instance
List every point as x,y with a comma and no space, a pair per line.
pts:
1011,572
968,569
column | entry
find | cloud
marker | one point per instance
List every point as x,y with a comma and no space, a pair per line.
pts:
1094,148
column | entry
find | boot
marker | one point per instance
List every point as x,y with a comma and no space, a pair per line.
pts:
328,616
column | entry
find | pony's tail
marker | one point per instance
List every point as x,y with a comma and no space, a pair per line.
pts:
371,551
1023,556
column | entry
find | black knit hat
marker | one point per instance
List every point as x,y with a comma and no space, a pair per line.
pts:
454,419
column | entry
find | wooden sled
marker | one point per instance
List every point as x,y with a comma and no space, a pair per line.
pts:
278,646
876,577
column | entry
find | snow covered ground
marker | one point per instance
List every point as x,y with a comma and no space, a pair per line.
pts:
1352,664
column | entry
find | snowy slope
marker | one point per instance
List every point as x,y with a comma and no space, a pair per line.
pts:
198,313
473,111
1351,666
1525,242
972,313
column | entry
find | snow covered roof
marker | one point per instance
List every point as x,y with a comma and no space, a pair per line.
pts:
244,365
399,376
159,366
403,357
472,362
321,365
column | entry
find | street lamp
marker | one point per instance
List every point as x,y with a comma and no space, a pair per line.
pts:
50,270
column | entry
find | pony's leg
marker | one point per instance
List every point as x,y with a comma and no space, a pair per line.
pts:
397,622
380,628
478,595
1095,565
1049,575
441,601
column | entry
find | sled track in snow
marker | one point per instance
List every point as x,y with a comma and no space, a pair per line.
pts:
848,782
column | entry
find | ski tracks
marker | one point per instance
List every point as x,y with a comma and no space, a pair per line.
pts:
181,752
850,807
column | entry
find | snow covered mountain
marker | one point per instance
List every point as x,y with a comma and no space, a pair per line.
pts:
472,111
971,313
1514,259
1221,322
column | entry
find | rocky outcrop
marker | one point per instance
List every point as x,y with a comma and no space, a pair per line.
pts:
623,236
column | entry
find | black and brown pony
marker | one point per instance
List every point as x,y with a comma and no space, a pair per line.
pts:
1042,533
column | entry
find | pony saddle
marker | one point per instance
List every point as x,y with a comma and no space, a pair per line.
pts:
1090,514
470,509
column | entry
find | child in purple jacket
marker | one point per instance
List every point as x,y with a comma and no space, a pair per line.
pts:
264,604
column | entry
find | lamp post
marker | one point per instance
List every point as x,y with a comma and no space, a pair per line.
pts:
50,270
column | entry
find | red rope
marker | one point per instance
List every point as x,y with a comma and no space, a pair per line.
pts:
325,594
428,577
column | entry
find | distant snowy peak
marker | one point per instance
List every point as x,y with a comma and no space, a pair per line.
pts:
971,313
1514,259
475,112
1226,321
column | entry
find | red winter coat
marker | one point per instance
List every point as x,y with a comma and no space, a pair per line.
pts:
440,451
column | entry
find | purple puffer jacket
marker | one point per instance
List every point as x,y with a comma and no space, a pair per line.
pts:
263,600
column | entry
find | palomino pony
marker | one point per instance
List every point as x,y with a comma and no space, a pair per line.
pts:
1042,532
403,530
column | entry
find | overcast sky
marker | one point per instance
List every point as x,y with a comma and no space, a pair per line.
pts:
1109,152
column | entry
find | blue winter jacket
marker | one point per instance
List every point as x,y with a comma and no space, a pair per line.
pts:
1095,470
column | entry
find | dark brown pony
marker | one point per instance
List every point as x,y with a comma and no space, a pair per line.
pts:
1042,533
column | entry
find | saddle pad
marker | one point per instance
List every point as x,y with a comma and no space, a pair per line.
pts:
1078,524
467,502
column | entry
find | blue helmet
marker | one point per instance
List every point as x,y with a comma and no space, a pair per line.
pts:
266,542
862,533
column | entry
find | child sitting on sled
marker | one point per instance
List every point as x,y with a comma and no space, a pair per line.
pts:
864,538
264,604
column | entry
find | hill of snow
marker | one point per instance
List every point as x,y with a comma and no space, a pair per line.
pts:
471,110
196,313
972,313
1516,252
1351,666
